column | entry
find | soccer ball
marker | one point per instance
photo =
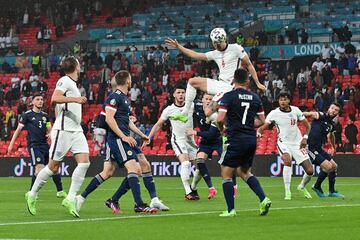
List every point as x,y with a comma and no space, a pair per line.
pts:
218,35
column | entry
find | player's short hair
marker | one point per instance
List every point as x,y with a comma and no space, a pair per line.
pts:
241,76
68,64
37,95
179,86
336,104
121,77
284,94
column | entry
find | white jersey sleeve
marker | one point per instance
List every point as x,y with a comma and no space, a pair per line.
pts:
270,118
63,85
165,114
210,56
299,114
240,51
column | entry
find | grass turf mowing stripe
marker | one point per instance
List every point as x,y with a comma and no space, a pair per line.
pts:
168,215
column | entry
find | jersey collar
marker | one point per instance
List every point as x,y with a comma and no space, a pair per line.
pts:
285,111
179,105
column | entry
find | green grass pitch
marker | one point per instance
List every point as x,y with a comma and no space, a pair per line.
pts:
299,218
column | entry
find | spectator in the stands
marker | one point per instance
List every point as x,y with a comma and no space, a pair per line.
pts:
134,94
326,52
53,61
319,64
47,34
82,90
79,27
76,48
276,91
109,58
15,80
327,75
351,64
25,18
2,95
33,79
319,102
268,66
21,107
338,137
26,88
116,64
9,113
39,36
304,36
35,63
351,131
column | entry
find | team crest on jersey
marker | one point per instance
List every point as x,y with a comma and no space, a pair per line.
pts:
129,153
113,102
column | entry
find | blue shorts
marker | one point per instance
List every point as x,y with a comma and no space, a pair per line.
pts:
318,156
39,154
120,151
210,148
239,152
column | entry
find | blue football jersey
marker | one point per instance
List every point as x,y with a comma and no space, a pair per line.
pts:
119,102
36,124
320,128
241,106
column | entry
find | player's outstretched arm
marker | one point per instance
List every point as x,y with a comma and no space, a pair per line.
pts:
253,73
136,130
307,131
14,137
313,115
261,129
156,128
188,52
110,120
59,97
220,120
211,108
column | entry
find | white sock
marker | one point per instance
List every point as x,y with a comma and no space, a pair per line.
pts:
185,176
77,179
40,180
189,98
196,179
305,180
287,172
155,199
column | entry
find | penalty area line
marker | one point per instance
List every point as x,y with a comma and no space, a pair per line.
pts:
166,215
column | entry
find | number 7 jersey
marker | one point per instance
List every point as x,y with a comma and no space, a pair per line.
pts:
286,124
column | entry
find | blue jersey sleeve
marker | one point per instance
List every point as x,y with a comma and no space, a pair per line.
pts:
224,102
23,119
111,103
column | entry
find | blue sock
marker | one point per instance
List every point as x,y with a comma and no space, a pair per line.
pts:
57,180
123,188
234,179
134,184
256,187
204,171
95,182
32,180
332,176
321,177
149,184
228,188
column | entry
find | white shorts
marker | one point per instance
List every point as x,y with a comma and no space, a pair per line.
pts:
184,146
64,141
295,152
215,87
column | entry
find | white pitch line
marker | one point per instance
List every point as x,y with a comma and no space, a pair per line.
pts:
165,215
171,188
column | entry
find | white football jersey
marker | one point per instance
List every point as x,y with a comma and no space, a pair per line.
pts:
68,114
228,60
178,127
286,124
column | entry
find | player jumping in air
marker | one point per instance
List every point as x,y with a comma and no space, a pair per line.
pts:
228,57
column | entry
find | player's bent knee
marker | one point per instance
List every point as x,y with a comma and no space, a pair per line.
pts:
326,166
334,166
309,172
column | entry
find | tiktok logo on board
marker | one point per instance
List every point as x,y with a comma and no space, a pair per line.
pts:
277,166
23,167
